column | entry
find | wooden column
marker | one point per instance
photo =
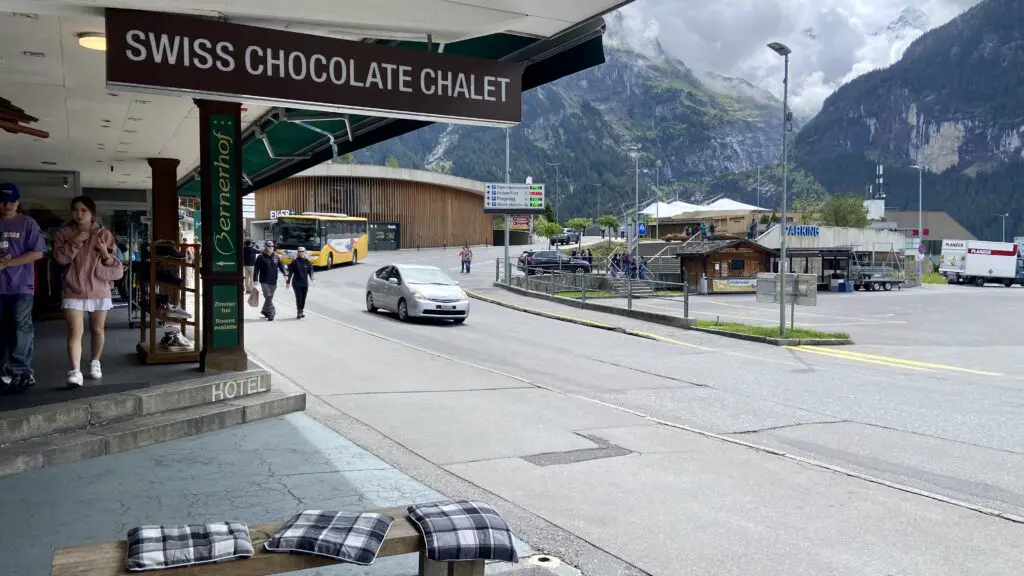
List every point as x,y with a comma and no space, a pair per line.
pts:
220,175
165,198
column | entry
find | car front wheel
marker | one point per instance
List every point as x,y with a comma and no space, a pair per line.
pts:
403,311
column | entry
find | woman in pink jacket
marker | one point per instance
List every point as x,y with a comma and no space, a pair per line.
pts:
87,250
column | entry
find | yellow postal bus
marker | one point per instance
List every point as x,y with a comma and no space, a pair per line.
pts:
329,239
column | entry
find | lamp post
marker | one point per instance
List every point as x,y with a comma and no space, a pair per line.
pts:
784,51
508,179
636,202
657,205
1004,217
920,217
554,196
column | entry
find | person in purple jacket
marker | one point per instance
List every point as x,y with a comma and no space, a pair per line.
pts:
21,244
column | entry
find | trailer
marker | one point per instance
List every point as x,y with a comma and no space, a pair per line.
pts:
988,262
869,271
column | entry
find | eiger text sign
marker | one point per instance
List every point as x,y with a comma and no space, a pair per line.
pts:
219,60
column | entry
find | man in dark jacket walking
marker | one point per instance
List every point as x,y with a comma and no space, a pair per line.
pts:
300,276
264,271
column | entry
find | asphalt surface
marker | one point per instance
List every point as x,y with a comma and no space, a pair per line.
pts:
600,433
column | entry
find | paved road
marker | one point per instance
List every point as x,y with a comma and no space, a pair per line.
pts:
557,418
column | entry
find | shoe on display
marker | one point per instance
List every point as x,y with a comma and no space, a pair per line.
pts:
173,311
74,379
179,343
95,370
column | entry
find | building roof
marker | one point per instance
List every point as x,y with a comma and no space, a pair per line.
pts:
707,247
729,204
940,226
340,170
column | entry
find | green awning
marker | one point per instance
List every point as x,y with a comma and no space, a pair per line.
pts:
297,148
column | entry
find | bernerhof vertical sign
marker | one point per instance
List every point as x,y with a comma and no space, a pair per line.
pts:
223,61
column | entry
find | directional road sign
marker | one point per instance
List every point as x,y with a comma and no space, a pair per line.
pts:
514,198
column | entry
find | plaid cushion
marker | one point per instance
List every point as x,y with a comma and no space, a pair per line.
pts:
354,538
463,530
157,547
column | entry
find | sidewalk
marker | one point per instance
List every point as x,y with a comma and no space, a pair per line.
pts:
259,472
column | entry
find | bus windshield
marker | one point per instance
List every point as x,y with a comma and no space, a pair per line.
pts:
292,235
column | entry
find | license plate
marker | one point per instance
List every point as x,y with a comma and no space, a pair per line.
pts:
439,307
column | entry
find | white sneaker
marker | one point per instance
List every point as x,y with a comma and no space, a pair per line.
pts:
95,370
74,378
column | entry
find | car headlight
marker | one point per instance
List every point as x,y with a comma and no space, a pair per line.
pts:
463,295
418,296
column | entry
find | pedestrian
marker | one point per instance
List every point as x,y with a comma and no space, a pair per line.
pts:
590,257
21,244
300,276
264,272
462,260
468,258
86,249
249,254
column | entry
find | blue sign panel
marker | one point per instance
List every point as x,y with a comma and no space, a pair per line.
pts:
641,229
803,231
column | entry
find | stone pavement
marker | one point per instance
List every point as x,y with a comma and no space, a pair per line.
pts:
259,472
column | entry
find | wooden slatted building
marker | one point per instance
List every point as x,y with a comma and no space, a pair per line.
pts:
422,208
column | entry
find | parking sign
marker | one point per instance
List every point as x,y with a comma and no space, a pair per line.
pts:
641,229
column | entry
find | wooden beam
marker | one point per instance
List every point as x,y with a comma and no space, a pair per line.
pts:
19,129
108,558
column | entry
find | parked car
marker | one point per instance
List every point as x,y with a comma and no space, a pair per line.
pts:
540,261
566,237
416,292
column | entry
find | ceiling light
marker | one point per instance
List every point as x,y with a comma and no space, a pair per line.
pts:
143,101
114,94
49,163
93,41
131,131
134,119
33,54
104,120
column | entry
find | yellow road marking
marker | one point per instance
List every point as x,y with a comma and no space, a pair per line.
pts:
667,340
873,358
827,352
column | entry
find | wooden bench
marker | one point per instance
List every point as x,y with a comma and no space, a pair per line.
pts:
108,558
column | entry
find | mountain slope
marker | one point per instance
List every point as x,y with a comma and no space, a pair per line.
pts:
695,127
954,103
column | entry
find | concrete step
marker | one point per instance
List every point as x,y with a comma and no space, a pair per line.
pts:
146,430
41,421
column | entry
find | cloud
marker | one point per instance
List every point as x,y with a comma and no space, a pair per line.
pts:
833,41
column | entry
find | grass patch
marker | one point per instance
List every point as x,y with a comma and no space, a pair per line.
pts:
601,250
933,278
770,331
669,293
590,294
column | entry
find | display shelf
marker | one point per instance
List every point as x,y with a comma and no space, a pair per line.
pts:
158,292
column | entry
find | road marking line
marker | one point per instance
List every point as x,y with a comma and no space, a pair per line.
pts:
862,356
830,353
817,464
666,340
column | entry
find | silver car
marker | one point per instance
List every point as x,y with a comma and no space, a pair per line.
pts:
416,292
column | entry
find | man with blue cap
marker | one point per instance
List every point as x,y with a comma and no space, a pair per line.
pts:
21,244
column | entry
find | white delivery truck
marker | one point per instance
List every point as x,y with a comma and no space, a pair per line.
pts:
985,262
951,260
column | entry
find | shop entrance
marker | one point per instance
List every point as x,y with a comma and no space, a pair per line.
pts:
385,236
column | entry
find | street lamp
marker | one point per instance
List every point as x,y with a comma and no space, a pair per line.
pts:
920,217
784,51
657,205
554,197
1004,217
636,202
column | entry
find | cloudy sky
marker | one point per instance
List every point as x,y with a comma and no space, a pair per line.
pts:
833,41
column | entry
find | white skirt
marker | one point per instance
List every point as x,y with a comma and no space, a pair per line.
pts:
87,305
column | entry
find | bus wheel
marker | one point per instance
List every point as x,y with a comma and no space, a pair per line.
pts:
330,261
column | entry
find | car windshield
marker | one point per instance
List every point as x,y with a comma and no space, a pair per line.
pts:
426,276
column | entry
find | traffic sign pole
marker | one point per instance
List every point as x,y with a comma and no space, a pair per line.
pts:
508,178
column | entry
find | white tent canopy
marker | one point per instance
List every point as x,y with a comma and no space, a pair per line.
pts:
678,208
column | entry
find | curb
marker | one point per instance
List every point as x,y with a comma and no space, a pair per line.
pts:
600,325
583,322
777,341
